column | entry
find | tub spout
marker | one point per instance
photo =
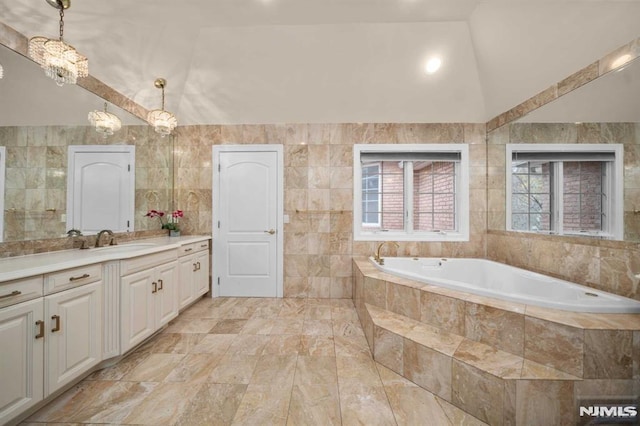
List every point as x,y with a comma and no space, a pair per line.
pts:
377,257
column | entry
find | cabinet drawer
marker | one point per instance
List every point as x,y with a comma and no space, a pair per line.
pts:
193,248
12,292
141,263
70,278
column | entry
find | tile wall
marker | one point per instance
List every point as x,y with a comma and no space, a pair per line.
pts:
318,186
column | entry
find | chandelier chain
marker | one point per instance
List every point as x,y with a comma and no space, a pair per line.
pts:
61,18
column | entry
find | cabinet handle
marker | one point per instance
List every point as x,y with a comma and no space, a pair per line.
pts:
155,287
13,293
160,282
195,267
56,318
83,276
198,266
204,245
40,325
188,250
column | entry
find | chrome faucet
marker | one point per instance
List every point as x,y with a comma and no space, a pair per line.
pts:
377,257
112,241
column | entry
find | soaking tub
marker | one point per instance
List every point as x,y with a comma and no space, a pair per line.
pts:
493,279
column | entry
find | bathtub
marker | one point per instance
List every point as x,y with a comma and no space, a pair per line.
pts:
493,279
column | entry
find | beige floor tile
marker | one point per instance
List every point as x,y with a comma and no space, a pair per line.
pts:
234,369
164,405
314,405
263,405
214,405
286,361
154,368
194,367
315,370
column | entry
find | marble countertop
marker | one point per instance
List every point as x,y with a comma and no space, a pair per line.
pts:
12,268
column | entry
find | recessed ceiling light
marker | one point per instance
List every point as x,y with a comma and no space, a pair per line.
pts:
433,65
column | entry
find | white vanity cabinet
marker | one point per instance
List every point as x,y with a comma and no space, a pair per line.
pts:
149,297
73,321
22,331
194,272
49,340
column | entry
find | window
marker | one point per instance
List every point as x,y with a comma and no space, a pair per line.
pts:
411,192
565,189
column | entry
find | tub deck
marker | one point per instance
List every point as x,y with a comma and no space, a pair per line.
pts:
529,361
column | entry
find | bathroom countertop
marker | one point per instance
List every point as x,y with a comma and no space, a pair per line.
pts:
12,268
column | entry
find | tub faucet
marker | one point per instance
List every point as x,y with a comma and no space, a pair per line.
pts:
377,257
112,241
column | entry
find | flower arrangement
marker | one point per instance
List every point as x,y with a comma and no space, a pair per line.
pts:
171,223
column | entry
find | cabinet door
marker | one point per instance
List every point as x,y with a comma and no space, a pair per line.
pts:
21,360
74,332
186,267
137,320
166,297
201,275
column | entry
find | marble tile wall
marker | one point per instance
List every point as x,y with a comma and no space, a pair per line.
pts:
318,182
36,177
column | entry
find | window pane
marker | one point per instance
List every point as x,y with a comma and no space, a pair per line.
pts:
583,195
371,195
520,221
434,206
540,222
531,195
520,203
519,184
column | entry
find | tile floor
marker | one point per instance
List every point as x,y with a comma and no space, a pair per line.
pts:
231,361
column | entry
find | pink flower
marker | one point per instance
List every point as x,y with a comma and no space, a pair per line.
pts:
178,213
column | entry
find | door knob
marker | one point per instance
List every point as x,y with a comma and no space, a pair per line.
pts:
271,231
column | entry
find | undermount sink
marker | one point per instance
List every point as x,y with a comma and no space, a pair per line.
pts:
126,247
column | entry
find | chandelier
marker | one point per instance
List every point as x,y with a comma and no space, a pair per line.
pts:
162,121
104,122
60,60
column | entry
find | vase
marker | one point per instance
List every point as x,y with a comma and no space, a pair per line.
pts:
173,233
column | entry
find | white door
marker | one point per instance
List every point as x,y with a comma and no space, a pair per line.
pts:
247,219
101,187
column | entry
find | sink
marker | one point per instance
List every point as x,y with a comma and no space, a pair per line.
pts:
126,247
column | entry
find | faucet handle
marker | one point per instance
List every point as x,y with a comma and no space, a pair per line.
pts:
74,233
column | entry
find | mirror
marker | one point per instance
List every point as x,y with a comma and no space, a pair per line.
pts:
605,110
38,121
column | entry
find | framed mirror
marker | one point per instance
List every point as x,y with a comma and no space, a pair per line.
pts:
38,122
605,110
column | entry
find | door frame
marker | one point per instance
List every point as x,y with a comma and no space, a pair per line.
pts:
3,155
130,150
279,150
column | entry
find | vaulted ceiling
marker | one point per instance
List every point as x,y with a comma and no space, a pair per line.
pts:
313,61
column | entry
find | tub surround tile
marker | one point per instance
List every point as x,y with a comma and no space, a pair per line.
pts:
432,337
388,349
403,300
444,312
544,403
608,354
555,345
428,368
489,359
499,328
478,393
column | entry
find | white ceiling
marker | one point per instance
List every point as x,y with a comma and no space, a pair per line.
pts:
270,61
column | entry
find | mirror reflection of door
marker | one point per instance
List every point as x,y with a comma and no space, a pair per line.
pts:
3,152
101,188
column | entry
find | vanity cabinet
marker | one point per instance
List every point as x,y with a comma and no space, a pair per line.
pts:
21,356
194,272
148,290
54,338
73,321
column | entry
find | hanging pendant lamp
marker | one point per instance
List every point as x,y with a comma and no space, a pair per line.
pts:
163,122
60,61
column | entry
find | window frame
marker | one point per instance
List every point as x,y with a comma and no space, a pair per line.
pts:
379,166
613,207
408,234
